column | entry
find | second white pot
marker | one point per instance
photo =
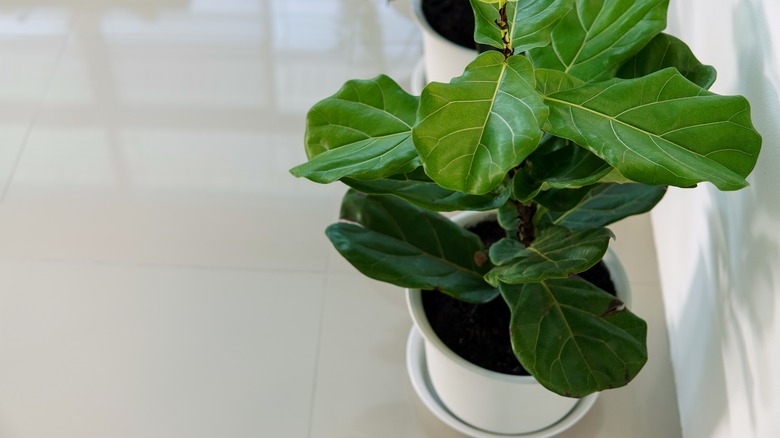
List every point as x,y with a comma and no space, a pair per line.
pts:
443,59
487,400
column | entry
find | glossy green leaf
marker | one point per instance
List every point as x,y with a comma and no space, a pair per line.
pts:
474,129
606,204
553,81
560,163
524,186
660,129
556,253
363,132
390,240
420,190
563,199
508,218
573,337
505,250
597,36
530,22
616,177
667,51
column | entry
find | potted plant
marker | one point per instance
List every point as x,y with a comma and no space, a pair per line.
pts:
582,115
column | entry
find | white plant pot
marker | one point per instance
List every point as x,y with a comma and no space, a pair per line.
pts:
442,59
493,402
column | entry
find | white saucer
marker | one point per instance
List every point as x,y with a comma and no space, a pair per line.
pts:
418,373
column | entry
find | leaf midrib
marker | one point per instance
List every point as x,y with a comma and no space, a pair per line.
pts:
568,328
627,125
380,110
585,39
502,73
406,240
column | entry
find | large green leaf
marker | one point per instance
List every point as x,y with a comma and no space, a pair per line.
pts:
508,218
420,190
553,81
560,163
390,240
667,51
474,129
524,186
530,22
363,131
556,253
505,250
563,199
573,337
557,164
598,36
660,129
606,204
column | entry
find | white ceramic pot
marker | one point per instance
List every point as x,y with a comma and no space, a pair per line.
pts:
487,400
442,59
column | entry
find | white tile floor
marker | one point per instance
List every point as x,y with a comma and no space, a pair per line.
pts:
162,275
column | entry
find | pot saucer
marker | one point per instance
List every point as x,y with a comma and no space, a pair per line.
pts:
415,364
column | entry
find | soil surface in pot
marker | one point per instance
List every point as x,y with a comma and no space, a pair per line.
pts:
452,19
479,333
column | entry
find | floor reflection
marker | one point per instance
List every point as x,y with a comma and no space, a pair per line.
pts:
181,73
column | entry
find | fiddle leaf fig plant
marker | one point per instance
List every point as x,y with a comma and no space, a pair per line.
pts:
581,115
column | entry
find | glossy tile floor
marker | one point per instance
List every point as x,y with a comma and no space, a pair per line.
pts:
162,275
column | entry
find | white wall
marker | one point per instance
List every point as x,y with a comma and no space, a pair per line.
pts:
719,253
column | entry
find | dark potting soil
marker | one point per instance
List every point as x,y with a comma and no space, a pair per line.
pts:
452,19
479,333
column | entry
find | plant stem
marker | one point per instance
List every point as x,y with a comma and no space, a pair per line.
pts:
503,24
525,227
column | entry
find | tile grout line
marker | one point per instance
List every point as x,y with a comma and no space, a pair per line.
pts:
33,122
325,281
